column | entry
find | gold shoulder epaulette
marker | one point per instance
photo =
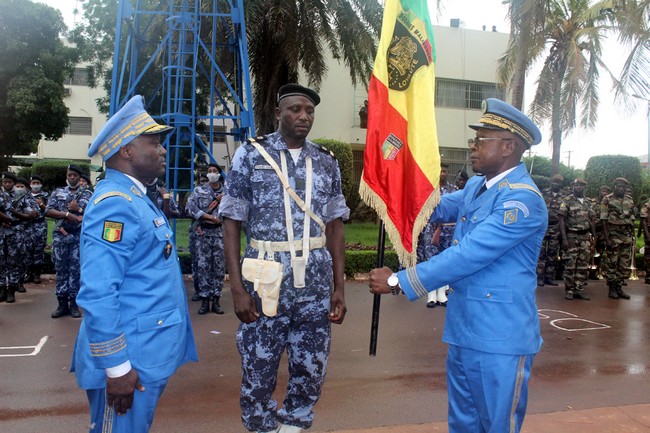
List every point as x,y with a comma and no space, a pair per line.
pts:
257,139
112,194
326,150
525,186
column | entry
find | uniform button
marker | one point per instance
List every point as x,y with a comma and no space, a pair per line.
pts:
463,219
160,323
167,235
474,219
455,241
489,295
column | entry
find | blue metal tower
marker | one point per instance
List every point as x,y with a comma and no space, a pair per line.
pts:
172,52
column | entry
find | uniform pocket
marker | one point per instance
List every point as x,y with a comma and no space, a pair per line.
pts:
158,335
489,308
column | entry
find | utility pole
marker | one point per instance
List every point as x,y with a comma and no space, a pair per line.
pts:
568,157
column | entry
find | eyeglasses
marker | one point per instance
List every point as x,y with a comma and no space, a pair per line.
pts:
478,141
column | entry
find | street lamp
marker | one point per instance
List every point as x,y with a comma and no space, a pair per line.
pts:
648,116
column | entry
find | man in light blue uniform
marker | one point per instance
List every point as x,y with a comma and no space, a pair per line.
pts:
136,330
492,326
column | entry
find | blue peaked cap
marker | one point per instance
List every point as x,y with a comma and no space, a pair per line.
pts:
501,115
131,121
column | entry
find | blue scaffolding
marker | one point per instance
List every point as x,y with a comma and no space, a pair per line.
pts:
172,50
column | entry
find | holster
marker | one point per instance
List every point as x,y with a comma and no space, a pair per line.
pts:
266,276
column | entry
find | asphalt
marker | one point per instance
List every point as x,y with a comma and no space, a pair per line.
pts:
591,375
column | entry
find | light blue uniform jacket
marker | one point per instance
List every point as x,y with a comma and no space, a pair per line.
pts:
490,265
133,297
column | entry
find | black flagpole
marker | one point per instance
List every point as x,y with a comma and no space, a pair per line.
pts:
374,328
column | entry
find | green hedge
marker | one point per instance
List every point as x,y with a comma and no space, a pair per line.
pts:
52,172
355,262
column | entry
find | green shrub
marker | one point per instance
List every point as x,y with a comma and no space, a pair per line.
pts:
343,153
603,169
52,172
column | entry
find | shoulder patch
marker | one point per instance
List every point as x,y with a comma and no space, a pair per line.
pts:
112,194
517,204
112,231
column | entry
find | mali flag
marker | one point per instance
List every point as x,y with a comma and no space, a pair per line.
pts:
402,161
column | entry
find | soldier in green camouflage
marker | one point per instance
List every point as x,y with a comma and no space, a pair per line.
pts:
576,222
551,244
645,211
617,216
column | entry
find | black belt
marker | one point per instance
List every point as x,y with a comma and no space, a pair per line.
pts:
580,232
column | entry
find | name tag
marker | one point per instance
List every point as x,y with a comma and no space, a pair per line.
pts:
263,167
160,221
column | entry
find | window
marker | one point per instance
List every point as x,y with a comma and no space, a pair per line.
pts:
79,77
465,94
80,126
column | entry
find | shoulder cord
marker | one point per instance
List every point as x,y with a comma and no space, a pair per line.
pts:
287,210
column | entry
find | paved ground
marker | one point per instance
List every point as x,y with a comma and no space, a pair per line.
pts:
591,376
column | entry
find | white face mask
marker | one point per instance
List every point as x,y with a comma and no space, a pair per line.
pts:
37,188
20,191
153,182
213,177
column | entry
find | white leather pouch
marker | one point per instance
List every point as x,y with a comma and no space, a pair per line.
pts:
299,266
266,276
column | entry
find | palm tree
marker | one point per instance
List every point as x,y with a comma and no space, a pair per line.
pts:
287,37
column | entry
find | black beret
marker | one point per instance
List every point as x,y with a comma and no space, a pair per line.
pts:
22,180
444,165
75,168
85,177
215,165
37,177
9,175
463,174
293,89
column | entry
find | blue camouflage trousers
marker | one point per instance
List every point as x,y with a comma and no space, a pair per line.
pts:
65,256
304,331
38,238
11,254
211,263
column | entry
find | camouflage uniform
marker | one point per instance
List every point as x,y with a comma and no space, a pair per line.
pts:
645,213
210,261
37,229
426,249
65,241
551,245
619,214
21,242
6,235
578,217
254,195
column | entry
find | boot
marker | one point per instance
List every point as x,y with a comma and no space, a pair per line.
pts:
195,296
3,293
205,306
621,294
612,293
549,281
216,308
11,293
37,274
74,309
21,288
29,275
63,309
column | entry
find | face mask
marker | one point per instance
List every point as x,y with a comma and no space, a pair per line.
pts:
73,186
213,177
20,191
153,182
37,188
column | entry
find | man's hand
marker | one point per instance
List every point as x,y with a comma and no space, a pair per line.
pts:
244,304
337,307
378,281
120,390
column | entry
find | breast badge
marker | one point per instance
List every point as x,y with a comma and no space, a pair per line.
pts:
167,250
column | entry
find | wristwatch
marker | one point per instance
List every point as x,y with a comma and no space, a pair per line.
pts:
393,283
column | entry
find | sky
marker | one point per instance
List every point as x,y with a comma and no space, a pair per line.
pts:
615,132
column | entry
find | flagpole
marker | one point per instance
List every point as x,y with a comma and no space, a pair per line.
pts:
374,327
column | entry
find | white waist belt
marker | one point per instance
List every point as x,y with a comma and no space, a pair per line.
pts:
314,243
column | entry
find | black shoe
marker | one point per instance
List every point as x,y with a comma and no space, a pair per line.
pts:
37,279
74,310
63,309
540,283
581,296
442,304
11,294
21,288
647,280
569,296
37,273
621,294
205,306
3,293
196,297
550,282
432,304
216,307
624,283
612,294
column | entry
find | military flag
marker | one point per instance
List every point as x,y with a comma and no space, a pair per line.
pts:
402,160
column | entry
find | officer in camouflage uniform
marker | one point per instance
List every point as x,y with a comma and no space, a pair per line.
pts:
436,238
7,253
576,222
38,231
617,216
162,199
24,212
254,199
194,232
551,246
67,205
645,212
203,206
599,259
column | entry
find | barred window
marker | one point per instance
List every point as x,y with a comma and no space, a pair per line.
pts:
465,94
457,159
79,77
80,126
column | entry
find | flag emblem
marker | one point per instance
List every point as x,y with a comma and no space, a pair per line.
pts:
409,50
112,231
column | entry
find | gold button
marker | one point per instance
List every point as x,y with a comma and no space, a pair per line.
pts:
160,323
463,219
455,241
488,295
474,219
167,235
